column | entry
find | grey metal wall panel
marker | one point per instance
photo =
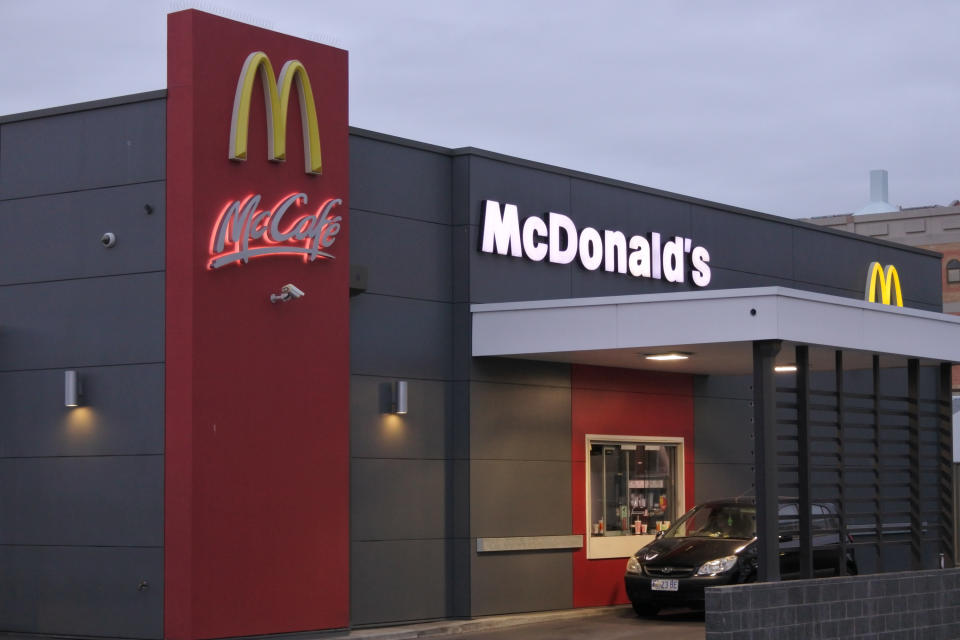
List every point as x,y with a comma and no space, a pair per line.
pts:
461,507
83,150
399,337
528,372
497,278
723,430
519,422
398,580
119,317
82,591
827,259
723,387
744,243
715,481
519,498
125,416
605,206
97,501
517,582
586,284
397,499
534,191
58,236
422,433
399,180
403,257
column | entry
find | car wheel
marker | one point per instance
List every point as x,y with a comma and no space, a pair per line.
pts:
645,610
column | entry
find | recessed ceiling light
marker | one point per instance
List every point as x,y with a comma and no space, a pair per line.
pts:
785,368
674,355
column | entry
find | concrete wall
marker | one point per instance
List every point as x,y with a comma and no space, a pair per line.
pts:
81,490
912,604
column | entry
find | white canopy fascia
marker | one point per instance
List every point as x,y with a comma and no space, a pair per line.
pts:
712,316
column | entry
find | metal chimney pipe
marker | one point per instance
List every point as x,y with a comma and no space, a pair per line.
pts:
878,185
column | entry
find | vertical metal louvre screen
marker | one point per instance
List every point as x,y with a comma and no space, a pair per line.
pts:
869,454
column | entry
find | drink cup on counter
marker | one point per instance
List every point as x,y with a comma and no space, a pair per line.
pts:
643,527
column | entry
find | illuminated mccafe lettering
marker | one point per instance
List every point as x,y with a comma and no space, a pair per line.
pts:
245,231
558,240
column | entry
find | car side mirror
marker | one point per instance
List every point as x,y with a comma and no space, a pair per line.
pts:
785,538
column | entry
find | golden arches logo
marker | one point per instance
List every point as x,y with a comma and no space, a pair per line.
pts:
276,94
887,279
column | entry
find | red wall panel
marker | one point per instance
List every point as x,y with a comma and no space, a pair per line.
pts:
621,402
256,494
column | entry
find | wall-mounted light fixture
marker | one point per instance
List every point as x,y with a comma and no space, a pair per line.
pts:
72,389
399,401
785,368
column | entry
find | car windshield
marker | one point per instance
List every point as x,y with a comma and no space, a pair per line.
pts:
716,521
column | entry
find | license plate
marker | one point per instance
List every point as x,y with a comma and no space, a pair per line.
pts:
663,585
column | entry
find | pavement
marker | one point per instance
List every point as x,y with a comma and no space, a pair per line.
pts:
606,623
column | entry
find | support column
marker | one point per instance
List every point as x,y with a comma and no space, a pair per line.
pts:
803,460
841,436
765,458
913,424
948,515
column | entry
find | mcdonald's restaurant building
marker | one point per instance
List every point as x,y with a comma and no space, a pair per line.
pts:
263,373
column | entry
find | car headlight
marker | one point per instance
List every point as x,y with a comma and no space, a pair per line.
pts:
633,566
719,565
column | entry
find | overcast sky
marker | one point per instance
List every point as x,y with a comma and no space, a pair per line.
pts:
781,107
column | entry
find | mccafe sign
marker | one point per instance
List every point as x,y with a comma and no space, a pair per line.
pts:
293,225
557,239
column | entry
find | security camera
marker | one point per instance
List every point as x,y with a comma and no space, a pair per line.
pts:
108,239
287,292
292,291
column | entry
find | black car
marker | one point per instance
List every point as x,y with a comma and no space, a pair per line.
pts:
714,544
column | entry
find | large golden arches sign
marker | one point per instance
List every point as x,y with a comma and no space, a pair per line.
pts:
276,95
886,279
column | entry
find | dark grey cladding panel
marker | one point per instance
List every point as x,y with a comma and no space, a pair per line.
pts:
519,498
587,284
397,499
546,374
93,500
59,236
723,431
399,180
400,337
497,278
82,591
404,257
421,433
714,481
460,470
519,422
398,581
721,278
83,150
743,243
824,258
517,582
123,412
604,206
723,387
534,191
88,322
